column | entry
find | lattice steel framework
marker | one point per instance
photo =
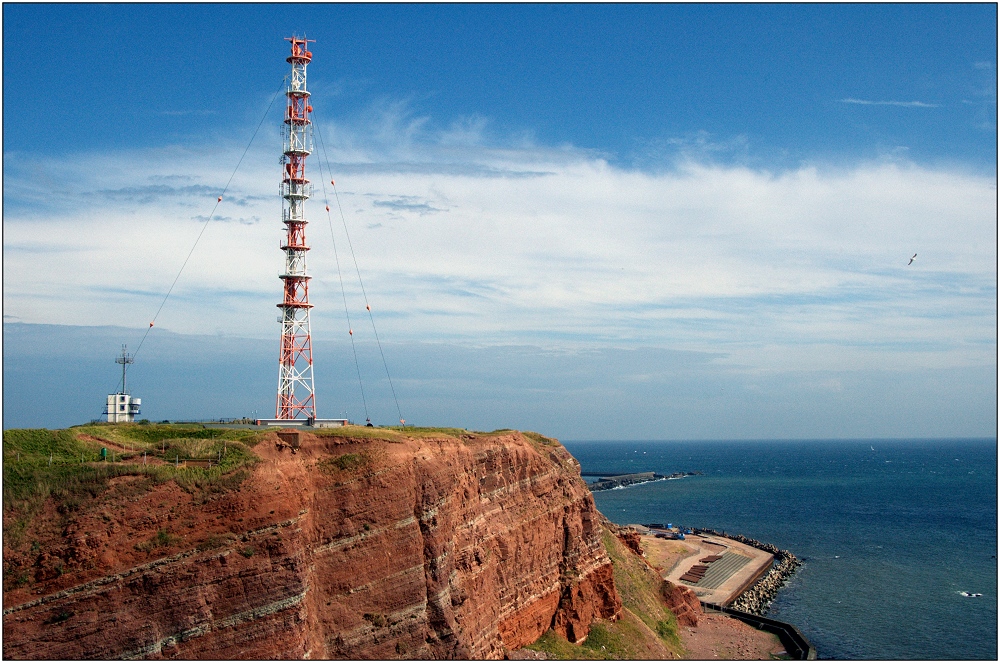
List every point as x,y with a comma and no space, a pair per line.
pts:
296,394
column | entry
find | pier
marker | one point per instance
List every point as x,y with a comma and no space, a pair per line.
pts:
716,568
609,481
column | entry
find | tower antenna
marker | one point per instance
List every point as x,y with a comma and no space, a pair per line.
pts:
296,393
121,407
124,360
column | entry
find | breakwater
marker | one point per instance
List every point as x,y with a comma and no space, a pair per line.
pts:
612,481
622,480
756,599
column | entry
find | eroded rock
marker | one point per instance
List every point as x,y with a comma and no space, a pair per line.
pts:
441,548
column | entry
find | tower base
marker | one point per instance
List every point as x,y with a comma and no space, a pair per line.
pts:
311,422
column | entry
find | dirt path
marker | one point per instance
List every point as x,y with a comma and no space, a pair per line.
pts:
717,636
720,637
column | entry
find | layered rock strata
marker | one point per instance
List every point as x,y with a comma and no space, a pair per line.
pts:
683,602
435,547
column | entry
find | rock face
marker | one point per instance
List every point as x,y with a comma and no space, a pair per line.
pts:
683,602
632,540
443,547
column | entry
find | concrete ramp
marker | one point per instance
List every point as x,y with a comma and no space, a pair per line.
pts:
721,570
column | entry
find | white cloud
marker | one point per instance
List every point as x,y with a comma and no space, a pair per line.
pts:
469,242
904,104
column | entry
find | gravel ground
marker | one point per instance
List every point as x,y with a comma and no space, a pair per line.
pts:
720,637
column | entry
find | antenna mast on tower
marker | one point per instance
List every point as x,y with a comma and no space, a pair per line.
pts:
124,360
122,407
295,364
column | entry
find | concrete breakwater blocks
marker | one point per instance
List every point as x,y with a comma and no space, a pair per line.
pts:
716,569
756,599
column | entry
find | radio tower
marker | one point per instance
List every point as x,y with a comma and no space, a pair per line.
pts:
295,365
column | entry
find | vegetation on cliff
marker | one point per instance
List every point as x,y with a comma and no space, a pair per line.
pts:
646,630
486,524
67,465
340,543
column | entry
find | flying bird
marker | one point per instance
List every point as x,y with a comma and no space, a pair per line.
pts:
911,260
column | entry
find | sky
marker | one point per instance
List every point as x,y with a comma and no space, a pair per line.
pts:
595,221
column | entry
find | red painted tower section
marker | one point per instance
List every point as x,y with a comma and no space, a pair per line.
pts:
296,393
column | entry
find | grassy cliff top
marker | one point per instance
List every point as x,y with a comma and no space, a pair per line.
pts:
68,464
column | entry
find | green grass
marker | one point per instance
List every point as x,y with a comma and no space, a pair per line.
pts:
559,648
40,464
645,627
346,462
396,433
349,465
541,439
607,641
639,588
162,539
360,433
431,431
148,436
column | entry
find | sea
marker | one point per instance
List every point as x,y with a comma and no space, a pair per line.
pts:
890,533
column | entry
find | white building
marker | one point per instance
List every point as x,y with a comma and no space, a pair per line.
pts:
122,408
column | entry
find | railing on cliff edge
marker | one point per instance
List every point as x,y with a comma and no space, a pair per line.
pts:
796,644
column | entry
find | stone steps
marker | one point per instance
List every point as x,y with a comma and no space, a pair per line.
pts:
720,570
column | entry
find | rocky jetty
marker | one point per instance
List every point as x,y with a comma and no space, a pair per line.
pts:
757,599
433,545
612,481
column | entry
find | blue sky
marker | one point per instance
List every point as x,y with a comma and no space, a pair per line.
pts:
568,186
618,79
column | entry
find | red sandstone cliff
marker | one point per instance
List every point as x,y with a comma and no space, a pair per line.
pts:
443,547
683,602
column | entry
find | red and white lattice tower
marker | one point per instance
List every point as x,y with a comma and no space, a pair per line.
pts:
296,396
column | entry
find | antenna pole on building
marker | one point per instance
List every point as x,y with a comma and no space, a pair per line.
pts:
296,395
124,360
121,407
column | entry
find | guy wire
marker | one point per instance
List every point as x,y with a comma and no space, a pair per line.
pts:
368,307
204,226
343,294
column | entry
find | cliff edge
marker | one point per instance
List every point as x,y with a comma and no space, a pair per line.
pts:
356,544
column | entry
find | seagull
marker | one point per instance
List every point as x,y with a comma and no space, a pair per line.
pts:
911,260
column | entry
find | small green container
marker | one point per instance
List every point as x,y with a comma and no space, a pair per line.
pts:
104,453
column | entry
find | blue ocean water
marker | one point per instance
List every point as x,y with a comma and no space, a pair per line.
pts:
890,531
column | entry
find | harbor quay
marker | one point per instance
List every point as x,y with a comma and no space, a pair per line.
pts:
716,568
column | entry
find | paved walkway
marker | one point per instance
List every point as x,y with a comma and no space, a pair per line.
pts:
725,578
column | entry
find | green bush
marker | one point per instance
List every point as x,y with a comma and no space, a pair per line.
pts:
541,439
376,620
347,462
161,539
557,647
212,542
